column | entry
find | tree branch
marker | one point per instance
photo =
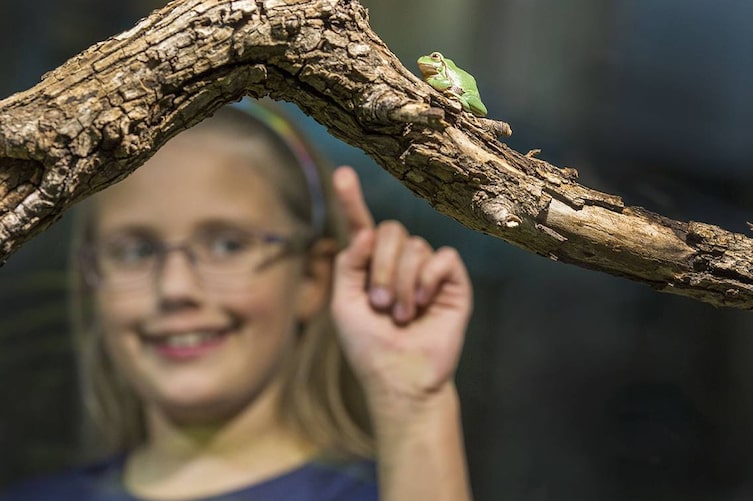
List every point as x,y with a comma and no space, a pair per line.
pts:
99,116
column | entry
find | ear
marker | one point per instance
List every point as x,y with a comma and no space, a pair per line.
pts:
314,294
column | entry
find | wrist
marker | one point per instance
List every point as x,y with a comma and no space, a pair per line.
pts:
393,410
420,449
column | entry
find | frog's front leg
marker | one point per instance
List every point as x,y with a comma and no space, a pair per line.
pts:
439,83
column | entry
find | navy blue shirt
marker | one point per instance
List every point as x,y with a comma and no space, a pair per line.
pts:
314,481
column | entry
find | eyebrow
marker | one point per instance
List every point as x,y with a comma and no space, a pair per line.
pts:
208,225
126,230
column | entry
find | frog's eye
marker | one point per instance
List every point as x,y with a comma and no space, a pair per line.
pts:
436,55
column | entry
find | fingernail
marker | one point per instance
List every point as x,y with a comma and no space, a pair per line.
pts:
401,313
380,297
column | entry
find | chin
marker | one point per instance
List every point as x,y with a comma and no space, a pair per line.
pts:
199,412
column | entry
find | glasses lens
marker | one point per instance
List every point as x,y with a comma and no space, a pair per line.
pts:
127,260
222,258
226,255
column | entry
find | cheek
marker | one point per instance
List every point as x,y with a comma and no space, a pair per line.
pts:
267,302
260,305
118,316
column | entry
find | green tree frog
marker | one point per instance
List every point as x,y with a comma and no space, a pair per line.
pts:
442,74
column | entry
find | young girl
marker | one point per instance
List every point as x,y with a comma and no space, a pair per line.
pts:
248,333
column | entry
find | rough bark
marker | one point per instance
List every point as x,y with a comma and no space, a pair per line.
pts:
99,116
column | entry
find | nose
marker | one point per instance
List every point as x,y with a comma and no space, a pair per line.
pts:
177,281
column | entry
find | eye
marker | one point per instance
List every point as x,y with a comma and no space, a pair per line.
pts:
225,244
436,55
129,251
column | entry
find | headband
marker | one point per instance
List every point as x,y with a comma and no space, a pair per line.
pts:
282,128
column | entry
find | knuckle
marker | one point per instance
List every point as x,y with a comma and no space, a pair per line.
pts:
418,244
391,227
450,253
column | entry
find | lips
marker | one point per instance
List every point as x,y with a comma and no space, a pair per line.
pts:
186,344
189,339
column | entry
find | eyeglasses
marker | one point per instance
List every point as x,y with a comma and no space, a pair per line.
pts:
224,258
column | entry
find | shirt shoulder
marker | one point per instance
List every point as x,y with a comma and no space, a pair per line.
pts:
318,480
346,480
96,482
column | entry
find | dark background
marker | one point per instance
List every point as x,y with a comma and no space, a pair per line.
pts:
575,385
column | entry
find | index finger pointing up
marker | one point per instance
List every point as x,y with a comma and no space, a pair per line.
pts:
348,191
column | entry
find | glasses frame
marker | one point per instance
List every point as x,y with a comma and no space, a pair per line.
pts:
87,255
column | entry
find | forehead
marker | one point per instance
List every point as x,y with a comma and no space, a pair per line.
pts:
192,180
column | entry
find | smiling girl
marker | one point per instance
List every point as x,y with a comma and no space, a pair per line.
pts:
247,332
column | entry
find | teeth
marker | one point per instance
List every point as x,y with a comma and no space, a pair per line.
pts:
190,339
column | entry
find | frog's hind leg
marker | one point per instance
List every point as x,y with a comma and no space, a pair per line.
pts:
475,105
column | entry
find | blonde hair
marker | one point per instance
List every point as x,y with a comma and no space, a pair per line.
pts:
321,398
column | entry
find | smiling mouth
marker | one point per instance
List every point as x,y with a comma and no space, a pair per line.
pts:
189,340
188,345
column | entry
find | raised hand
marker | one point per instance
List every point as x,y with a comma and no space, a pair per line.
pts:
401,307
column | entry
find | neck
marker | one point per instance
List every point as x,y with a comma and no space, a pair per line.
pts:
187,437
214,457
